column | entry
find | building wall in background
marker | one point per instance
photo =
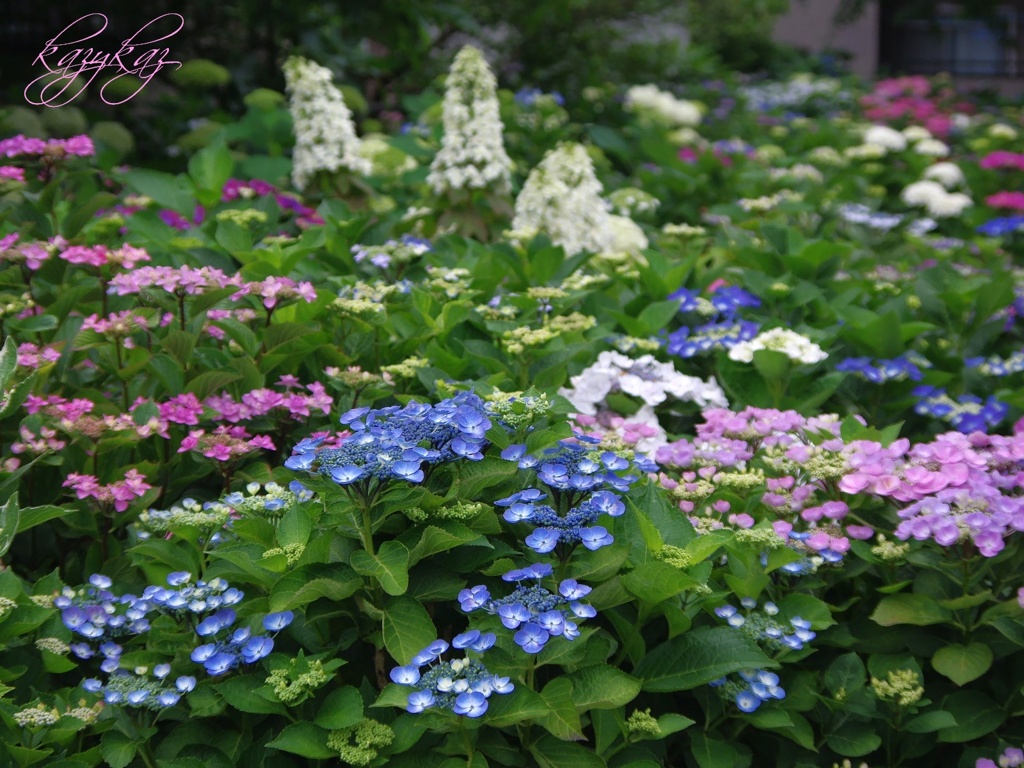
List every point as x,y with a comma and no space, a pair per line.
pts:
808,24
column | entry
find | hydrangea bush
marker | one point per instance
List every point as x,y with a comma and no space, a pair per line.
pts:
705,453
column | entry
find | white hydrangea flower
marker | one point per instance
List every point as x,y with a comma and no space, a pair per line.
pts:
948,205
663,104
646,378
625,235
865,152
931,148
947,174
1001,131
562,197
472,153
790,343
916,133
922,192
884,136
325,136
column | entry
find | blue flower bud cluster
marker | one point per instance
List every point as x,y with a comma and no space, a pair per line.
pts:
753,687
270,500
552,529
101,617
765,627
969,413
724,330
399,443
813,558
228,651
879,371
1000,227
997,366
528,97
461,686
536,613
136,688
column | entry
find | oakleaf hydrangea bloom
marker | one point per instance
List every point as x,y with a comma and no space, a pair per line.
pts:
460,685
968,413
325,136
536,614
472,154
562,198
398,443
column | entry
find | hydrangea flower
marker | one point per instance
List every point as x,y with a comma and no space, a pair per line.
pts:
535,613
391,443
460,685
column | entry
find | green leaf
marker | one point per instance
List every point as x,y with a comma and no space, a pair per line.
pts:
930,722
407,629
711,753
919,610
8,362
295,527
854,739
554,753
449,535
477,476
808,608
963,663
975,713
304,739
166,190
209,382
602,687
656,581
334,581
240,693
517,707
562,719
390,566
210,167
342,708
698,657
9,522
846,674
117,749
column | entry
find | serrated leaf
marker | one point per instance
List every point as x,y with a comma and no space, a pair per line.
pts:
562,719
389,566
10,516
919,610
407,629
117,749
304,739
963,663
342,708
602,687
698,657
